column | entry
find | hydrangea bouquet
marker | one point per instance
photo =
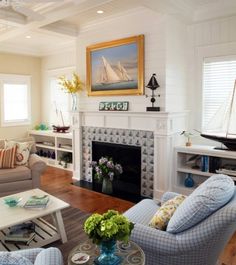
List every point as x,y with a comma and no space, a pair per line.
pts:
105,168
108,226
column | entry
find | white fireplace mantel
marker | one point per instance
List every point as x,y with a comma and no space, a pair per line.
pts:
166,127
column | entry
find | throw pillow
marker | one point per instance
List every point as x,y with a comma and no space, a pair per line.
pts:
205,200
7,157
10,258
165,212
22,151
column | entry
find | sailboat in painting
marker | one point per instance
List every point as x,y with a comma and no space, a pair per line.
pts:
109,74
222,127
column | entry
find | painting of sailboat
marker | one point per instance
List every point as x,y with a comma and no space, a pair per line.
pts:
222,127
115,68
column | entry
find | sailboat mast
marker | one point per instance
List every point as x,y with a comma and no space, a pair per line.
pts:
231,108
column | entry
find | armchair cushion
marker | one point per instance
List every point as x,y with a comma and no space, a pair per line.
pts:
165,212
11,258
206,199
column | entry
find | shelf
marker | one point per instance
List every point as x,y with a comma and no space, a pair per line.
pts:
45,146
194,171
62,143
64,150
183,166
45,234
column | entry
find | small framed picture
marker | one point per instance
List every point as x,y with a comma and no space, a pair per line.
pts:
114,106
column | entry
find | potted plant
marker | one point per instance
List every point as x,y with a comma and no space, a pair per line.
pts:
105,230
105,171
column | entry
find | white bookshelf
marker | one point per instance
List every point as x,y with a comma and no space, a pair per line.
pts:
183,167
49,143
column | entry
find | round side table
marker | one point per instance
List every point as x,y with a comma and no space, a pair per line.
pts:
131,253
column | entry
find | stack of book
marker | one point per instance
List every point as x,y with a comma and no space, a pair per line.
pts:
21,234
38,202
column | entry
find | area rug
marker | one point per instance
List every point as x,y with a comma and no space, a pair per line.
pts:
73,220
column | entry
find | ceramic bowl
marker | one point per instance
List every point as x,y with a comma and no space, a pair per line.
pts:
12,201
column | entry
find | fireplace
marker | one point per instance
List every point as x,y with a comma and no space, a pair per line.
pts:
128,184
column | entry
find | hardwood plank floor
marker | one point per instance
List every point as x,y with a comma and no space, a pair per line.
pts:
58,182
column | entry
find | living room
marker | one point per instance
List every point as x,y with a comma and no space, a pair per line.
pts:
189,45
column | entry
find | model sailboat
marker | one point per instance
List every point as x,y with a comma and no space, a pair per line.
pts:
222,128
109,74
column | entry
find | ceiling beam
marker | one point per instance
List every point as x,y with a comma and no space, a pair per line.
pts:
62,28
68,9
12,17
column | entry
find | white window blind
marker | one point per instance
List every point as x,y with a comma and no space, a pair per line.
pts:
15,100
218,82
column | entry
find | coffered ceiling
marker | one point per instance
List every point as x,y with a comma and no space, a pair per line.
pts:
35,26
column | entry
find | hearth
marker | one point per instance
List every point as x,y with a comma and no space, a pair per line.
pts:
128,184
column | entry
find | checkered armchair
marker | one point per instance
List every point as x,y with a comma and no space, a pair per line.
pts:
199,245
40,256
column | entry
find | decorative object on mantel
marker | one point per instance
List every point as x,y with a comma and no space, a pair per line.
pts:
105,230
72,87
60,129
105,171
116,67
114,106
153,85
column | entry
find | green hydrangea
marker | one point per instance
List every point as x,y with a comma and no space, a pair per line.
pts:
110,225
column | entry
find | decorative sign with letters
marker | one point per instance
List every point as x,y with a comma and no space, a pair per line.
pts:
114,106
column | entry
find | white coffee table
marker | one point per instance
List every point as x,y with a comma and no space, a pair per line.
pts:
46,233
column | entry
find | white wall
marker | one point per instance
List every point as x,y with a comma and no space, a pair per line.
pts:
207,39
154,26
176,62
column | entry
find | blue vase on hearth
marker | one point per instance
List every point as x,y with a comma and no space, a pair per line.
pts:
107,253
189,182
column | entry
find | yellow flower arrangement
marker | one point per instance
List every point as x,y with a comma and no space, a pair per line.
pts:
71,86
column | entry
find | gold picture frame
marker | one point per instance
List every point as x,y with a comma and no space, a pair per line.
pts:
116,67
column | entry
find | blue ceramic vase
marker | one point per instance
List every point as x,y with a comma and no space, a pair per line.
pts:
189,182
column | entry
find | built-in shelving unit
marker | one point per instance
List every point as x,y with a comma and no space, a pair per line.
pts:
201,162
54,148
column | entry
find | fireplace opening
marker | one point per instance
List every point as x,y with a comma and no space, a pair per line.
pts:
128,184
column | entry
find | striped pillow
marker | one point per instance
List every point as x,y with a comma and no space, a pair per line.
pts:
8,157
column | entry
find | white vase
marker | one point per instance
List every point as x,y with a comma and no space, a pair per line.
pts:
74,102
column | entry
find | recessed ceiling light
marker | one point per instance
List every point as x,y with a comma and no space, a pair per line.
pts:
28,37
100,11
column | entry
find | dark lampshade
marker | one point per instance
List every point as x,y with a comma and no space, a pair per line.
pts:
152,84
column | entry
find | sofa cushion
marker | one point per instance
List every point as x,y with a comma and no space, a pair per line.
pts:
165,212
7,157
22,151
15,174
9,258
206,199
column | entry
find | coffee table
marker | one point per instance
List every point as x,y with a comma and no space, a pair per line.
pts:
131,253
46,233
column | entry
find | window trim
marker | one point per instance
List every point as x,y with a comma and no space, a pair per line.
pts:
15,79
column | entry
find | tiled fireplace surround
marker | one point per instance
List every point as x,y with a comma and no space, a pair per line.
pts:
156,133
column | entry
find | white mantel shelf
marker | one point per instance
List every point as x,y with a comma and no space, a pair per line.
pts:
163,122
166,128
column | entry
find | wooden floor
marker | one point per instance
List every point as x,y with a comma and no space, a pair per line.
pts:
58,182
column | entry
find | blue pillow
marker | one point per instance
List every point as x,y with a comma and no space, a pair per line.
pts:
11,258
206,199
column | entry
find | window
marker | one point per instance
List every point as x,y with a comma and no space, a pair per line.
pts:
219,75
59,102
15,99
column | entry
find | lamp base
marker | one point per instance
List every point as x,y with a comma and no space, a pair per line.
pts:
153,109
